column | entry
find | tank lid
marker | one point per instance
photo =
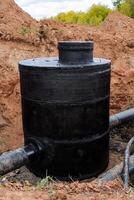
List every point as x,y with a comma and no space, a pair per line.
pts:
53,63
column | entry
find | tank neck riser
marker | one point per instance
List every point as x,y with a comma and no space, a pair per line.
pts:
75,52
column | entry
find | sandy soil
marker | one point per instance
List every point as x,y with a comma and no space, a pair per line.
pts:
62,191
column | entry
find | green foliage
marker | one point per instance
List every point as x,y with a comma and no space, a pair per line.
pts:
117,3
25,30
131,7
125,6
46,182
81,19
124,9
94,16
69,17
99,11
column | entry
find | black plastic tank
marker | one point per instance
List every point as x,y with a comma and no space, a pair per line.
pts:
65,104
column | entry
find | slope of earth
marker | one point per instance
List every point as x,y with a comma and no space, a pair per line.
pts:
120,38
14,22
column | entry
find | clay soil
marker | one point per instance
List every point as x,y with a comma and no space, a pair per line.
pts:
20,38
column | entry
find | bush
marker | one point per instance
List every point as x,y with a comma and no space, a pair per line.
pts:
25,30
125,6
131,7
94,16
81,18
69,17
124,9
98,11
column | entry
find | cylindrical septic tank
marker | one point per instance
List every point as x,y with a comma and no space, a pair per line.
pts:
65,104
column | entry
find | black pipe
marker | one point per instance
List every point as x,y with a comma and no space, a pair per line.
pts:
12,160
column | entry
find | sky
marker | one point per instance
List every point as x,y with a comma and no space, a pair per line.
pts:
47,8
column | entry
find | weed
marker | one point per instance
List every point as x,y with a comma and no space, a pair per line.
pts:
47,183
25,30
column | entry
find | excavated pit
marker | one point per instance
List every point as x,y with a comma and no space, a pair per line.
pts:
117,34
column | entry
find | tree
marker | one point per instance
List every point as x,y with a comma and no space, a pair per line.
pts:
94,16
71,17
117,4
82,18
61,17
131,7
125,9
125,6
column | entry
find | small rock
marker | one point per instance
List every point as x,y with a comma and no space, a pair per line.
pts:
61,195
130,44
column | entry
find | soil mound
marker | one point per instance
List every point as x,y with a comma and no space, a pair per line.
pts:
113,40
13,20
117,22
120,26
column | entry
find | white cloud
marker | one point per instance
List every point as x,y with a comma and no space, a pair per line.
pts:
47,8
